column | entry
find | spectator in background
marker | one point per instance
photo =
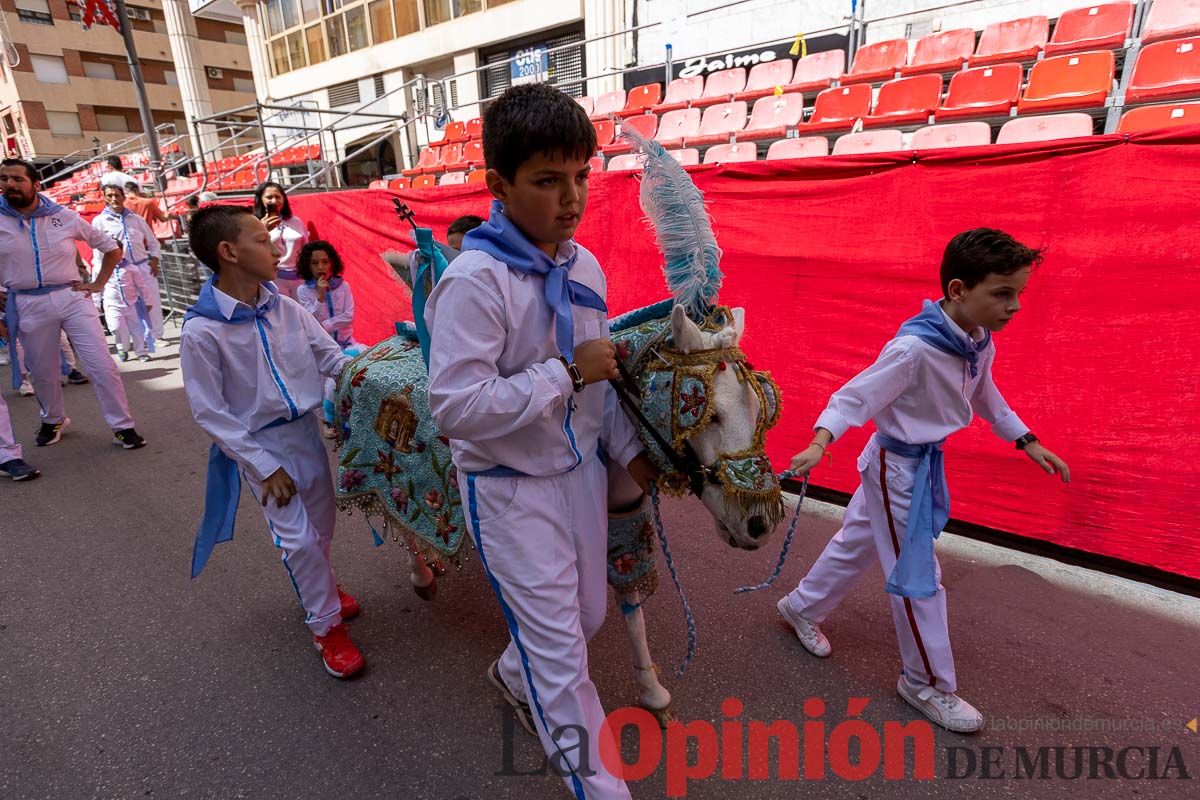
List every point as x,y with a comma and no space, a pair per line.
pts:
459,228
288,233
116,177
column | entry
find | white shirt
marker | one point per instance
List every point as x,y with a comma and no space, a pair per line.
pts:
289,236
339,325
919,394
135,236
496,386
238,385
40,251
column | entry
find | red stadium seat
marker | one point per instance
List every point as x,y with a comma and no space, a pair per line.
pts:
818,71
877,62
427,159
731,153
838,108
1079,80
478,176
453,179
1102,27
885,141
765,78
399,183
982,92
1014,40
314,152
805,147
424,182
473,153
644,124
588,104
454,132
773,116
641,99
609,103
377,184
450,158
947,51
961,134
719,123
675,126
1171,19
1165,70
906,100
681,92
689,157
606,131
1041,129
596,163
720,87
475,128
1149,118
624,163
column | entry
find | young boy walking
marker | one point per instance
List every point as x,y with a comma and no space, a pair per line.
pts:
253,362
519,360
927,383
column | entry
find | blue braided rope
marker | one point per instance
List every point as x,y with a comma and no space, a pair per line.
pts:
787,540
687,610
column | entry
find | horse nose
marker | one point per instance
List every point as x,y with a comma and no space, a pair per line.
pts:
756,527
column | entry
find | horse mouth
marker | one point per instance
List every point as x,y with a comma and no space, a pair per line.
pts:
731,540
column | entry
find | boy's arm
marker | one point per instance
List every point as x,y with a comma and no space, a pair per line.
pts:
307,298
201,364
328,353
870,391
618,436
991,405
467,395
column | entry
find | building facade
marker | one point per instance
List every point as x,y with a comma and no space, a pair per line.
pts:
66,92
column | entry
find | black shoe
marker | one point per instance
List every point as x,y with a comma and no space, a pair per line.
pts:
123,355
76,377
18,470
520,708
51,432
129,439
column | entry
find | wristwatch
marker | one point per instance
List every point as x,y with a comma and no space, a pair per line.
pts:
1025,441
576,375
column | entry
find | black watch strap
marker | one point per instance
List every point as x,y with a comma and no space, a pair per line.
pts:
1025,441
576,376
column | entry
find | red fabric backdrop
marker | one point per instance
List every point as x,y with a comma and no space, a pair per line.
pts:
830,255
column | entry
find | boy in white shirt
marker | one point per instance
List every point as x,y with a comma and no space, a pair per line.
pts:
927,383
253,362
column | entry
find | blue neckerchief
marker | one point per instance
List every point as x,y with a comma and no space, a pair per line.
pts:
223,483
929,510
932,327
334,285
46,208
503,241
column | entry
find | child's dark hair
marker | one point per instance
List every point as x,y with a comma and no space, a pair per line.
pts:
530,119
260,210
304,260
212,225
973,255
464,224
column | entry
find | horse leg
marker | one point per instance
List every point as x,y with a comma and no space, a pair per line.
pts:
423,581
627,517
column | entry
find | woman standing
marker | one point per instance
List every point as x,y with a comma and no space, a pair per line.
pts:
288,233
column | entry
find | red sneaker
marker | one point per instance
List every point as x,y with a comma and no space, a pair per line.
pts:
341,657
350,607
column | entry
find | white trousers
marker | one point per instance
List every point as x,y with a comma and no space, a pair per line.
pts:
153,297
43,319
9,449
68,353
543,543
871,533
303,529
120,312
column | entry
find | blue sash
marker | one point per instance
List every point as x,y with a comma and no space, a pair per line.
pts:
914,574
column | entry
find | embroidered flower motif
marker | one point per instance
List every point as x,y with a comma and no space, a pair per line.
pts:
454,478
345,407
444,440
380,354
407,346
692,403
359,377
351,479
419,447
625,563
433,499
443,528
400,498
623,351
387,466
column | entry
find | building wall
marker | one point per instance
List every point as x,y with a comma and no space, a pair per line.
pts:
23,96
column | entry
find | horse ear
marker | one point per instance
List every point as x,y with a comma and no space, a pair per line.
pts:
686,333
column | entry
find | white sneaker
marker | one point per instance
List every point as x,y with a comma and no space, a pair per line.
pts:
26,389
3,355
945,708
809,633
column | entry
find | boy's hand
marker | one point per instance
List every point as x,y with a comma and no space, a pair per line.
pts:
153,266
804,461
1048,461
280,486
87,288
597,361
643,471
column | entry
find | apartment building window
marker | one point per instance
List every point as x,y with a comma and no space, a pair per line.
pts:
112,123
235,37
171,78
64,123
243,85
34,11
49,69
316,44
437,11
74,12
381,20
99,69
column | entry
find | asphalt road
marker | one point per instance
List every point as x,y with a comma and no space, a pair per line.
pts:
122,678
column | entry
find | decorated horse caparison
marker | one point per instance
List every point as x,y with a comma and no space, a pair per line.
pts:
685,376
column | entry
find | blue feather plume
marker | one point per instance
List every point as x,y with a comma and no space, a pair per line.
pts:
675,207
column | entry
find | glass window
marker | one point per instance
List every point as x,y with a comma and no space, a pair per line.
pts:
356,28
64,123
279,56
236,37
408,18
436,11
461,7
381,21
171,78
96,69
274,15
243,85
49,69
115,123
291,14
336,28
295,46
311,9
316,44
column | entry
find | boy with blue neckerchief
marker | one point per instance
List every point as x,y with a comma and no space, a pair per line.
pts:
127,296
926,384
253,363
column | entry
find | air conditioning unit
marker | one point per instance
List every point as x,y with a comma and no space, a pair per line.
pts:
215,73
138,13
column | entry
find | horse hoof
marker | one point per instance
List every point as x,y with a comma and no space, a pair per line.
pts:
663,715
427,593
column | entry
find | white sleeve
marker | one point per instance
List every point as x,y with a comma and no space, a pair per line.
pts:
152,248
308,298
343,309
96,238
201,363
618,436
870,391
468,397
330,358
991,405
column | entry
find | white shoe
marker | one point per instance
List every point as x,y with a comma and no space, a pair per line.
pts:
809,633
945,708
3,355
26,389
